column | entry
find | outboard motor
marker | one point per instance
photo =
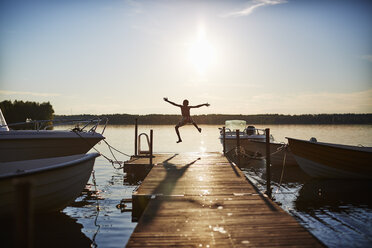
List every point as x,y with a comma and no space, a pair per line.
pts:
251,130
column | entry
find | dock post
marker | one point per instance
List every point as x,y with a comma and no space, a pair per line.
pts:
238,145
136,137
268,162
151,145
23,214
224,140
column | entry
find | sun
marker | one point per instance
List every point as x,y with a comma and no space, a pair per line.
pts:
201,52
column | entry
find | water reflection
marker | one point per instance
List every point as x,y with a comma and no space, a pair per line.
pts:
335,195
89,195
337,212
49,230
53,234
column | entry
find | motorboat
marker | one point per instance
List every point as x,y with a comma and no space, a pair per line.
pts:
253,142
44,143
54,182
238,129
327,160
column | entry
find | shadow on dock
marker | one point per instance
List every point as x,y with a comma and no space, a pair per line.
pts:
203,200
163,189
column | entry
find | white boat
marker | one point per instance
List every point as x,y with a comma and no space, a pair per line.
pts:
55,182
246,135
253,141
34,144
326,160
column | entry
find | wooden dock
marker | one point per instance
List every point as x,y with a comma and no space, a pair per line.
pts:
201,200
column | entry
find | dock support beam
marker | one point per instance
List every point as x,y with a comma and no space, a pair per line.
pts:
23,214
151,145
268,162
238,145
135,137
224,140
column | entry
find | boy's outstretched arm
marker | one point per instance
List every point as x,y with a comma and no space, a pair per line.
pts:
175,104
200,105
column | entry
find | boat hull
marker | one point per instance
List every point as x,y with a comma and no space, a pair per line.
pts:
318,170
323,160
26,145
53,186
258,148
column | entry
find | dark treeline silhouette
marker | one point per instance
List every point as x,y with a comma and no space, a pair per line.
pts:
219,119
19,111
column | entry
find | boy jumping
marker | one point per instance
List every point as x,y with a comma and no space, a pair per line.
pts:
186,118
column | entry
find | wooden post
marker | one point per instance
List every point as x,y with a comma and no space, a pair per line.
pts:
268,162
238,145
23,214
136,137
151,145
224,140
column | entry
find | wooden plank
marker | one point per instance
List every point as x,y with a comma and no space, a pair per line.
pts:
201,200
137,167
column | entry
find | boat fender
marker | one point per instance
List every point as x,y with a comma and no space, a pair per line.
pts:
313,139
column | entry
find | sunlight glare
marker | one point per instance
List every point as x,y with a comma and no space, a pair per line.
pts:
201,52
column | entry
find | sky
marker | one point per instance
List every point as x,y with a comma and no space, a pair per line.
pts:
242,57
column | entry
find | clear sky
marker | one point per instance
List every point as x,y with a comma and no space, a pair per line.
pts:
243,57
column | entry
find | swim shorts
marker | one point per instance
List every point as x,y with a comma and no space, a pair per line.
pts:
185,120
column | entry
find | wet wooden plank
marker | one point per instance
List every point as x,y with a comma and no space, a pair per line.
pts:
201,200
137,168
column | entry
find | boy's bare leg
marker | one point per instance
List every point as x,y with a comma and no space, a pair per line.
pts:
178,134
199,129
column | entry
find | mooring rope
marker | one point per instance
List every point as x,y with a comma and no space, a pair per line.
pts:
116,161
281,176
241,151
110,146
94,244
113,162
279,149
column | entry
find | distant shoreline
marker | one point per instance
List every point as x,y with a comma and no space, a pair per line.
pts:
219,119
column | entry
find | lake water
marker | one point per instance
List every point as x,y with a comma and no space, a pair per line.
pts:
339,213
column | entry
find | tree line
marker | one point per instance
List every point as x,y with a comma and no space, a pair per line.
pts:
20,111
219,119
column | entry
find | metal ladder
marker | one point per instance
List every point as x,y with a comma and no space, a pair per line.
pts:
149,144
137,144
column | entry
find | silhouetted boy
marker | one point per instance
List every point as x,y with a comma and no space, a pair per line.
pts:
186,118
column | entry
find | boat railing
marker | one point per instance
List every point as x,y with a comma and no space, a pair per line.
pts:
260,131
229,132
48,124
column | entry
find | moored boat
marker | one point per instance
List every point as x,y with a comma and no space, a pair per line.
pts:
326,160
253,141
54,182
18,145
278,152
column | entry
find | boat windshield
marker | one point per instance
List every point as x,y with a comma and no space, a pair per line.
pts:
235,125
3,125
